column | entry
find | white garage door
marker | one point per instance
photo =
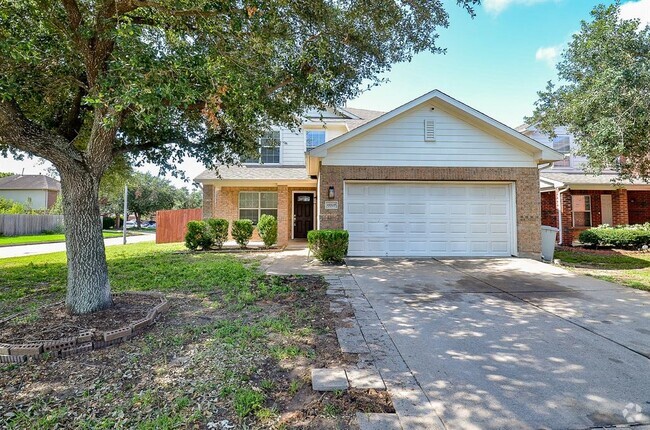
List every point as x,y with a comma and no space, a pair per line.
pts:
429,219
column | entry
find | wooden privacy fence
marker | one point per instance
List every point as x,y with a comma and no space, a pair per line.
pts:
18,225
171,225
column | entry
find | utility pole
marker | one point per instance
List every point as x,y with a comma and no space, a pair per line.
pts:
126,213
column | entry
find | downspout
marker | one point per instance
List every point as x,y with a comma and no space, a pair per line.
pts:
559,212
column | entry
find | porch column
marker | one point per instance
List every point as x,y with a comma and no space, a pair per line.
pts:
283,215
208,202
620,214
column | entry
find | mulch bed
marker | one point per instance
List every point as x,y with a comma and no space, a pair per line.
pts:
600,251
182,372
55,322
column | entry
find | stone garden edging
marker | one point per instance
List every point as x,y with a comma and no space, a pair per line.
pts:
86,340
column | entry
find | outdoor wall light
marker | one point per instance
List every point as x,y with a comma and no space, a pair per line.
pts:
330,192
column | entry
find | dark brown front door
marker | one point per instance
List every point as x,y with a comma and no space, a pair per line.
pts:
303,214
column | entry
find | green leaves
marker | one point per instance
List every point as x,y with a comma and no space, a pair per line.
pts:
199,78
603,98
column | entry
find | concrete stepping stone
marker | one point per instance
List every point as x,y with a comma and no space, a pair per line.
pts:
365,379
378,421
351,340
328,379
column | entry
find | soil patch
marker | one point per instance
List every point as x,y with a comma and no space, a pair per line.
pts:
54,322
223,357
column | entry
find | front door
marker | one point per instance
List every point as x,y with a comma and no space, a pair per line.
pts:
606,209
303,214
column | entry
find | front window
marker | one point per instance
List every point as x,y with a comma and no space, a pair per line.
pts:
314,138
581,207
269,149
562,144
252,205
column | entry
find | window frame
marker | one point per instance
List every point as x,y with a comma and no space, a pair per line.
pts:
307,147
259,207
260,146
587,198
566,163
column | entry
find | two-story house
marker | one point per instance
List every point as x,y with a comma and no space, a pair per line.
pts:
573,201
432,177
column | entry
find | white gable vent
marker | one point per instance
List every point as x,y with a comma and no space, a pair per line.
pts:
429,130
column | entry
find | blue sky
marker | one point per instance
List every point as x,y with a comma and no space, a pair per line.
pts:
495,62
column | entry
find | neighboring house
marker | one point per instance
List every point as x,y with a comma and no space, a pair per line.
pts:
39,192
433,177
574,201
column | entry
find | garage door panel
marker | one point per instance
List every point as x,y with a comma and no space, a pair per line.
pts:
407,219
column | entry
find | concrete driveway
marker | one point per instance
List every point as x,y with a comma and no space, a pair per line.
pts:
514,343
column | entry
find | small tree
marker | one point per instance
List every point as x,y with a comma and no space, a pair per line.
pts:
242,231
219,231
268,229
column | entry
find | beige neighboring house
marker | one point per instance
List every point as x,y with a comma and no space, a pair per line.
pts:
433,177
39,192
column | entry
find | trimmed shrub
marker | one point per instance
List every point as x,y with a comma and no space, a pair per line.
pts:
198,235
242,231
219,231
629,236
268,229
330,246
108,223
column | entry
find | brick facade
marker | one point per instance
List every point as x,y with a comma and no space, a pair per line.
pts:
638,203
526,183
620,214
549,209
571,233
224,203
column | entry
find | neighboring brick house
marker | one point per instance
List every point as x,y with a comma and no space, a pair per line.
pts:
433,177
574,201
39,192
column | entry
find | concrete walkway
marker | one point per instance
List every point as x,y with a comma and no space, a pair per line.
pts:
495,343
46,248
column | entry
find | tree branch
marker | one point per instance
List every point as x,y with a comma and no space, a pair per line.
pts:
19,132
127,6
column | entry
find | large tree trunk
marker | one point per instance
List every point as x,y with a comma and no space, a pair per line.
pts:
88,286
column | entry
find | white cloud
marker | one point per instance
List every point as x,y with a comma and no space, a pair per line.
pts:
637,9
549,54
495,7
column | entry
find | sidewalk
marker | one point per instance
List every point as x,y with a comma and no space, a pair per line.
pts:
46,248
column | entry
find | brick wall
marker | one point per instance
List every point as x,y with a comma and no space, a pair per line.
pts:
571,233
526,183
208,201
620,214
549,209
638,203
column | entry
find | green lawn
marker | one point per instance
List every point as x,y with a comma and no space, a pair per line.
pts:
44,238
236,345
630,269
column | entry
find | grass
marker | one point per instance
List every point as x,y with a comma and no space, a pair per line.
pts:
629,269
44,238
234,329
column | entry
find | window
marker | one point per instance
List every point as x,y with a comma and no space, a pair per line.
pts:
269,149
252,205
562,144
581,208
314,138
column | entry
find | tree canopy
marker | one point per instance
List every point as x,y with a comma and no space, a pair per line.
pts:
604,94
85,81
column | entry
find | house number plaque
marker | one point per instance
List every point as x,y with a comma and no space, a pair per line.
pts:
333,205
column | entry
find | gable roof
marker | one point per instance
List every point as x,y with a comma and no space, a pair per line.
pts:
543,152
29,182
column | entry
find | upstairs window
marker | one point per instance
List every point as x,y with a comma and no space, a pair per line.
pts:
562,144
314,138
269,149
581,208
